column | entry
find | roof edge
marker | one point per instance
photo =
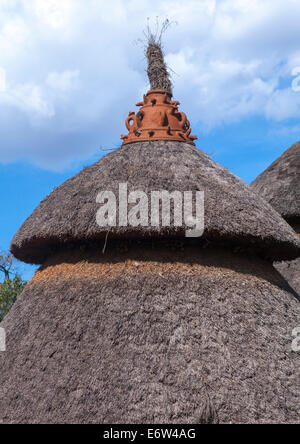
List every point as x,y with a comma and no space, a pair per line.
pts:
37,250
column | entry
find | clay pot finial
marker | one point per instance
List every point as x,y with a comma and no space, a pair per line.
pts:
158,119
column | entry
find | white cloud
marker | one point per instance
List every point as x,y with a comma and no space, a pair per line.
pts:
64,81
28,98
296,81
54,13
283,104
2,80
72,72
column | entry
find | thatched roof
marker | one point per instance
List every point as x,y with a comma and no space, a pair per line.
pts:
279,184
152,337
234,214
290,270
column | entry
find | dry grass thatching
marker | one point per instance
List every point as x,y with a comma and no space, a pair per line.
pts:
234,214
279,184
150,337
291,272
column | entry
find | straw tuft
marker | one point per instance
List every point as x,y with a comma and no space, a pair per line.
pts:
157,69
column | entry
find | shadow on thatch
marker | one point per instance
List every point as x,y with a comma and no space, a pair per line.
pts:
176,257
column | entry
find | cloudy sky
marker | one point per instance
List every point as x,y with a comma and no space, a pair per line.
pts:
71,70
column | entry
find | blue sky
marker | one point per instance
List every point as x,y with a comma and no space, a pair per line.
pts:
71,70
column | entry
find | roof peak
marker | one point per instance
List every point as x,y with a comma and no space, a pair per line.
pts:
158,118
157,70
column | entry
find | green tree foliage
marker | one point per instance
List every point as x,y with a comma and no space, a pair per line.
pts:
11,286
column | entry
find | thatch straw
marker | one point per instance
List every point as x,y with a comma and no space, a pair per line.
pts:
279,184
291,272
234,214
151,337
157,69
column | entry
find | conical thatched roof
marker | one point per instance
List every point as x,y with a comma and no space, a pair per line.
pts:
279,184
234,215
152,336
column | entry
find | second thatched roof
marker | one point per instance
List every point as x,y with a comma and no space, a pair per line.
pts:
279,184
